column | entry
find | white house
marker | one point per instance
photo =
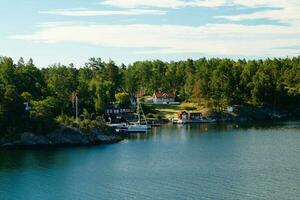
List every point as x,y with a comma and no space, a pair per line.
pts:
164,98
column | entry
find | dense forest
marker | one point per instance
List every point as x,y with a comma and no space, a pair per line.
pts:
218,82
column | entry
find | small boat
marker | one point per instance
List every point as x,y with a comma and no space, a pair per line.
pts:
192,121
174,120
115,125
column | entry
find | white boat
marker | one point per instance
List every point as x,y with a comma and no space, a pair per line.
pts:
141,126
115,125
191,121
134,128
175,120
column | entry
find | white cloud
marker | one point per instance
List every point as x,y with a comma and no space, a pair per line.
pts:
86,12
163,3
135,7
194,3
213,39
210,39
288,11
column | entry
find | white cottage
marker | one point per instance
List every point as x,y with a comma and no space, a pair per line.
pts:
164,98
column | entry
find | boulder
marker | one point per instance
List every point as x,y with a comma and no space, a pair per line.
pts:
67,136
63,136
30,139
96,136
8,145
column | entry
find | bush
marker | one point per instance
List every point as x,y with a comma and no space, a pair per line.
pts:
123,98
64,120
189,108
150,115
85,122
148,109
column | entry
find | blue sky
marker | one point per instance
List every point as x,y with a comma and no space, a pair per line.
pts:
52,31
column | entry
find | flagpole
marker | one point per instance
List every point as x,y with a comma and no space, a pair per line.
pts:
76,102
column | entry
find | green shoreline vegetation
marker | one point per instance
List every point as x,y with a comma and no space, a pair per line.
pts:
208,84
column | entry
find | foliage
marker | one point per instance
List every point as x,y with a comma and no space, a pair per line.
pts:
189,108
217,82
86,122
148,109
102,93
42,114
122,98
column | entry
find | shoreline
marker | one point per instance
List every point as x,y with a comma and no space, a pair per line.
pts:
61,137
225,117
65,137
239,113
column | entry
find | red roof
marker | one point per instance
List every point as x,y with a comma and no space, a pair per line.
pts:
164,95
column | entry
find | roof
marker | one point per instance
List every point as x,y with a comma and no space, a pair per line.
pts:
182,112
117,106
164,95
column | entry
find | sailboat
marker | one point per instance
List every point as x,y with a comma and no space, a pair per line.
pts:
141,126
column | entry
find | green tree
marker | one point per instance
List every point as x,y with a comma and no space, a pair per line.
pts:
61,82
123,98
102,93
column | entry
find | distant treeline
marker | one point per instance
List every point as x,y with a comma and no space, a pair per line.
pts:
217,82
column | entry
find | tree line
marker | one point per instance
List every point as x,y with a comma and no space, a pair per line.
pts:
216,82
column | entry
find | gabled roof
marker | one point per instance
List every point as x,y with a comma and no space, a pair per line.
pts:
183,112
117,106
164,95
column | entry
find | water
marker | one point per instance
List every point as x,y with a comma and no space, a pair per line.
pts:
189,162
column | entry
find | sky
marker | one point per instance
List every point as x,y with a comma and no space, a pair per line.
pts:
72,31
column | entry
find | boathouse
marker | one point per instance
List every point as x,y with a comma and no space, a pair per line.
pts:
183,115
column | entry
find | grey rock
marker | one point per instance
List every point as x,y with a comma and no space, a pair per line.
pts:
96,136
28,139
67,136
8,145
63,136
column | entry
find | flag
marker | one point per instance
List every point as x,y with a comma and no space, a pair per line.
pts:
72,97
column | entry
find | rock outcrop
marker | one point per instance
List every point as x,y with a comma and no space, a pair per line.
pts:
64,136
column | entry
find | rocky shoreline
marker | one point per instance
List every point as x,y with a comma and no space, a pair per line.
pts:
61,137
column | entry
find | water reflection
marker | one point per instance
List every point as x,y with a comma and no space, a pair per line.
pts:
179,130
213,161
14,160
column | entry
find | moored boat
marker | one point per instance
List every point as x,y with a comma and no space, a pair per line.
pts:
134,128
191,121
141,126
189,118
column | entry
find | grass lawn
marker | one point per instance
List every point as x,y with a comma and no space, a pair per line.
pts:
171,111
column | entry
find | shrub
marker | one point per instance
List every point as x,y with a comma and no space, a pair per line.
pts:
190,108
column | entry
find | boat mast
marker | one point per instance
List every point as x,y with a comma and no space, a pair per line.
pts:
143,115
76,109
138,109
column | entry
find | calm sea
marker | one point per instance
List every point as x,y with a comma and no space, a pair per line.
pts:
250,161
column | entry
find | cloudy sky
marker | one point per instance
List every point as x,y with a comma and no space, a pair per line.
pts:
68,31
